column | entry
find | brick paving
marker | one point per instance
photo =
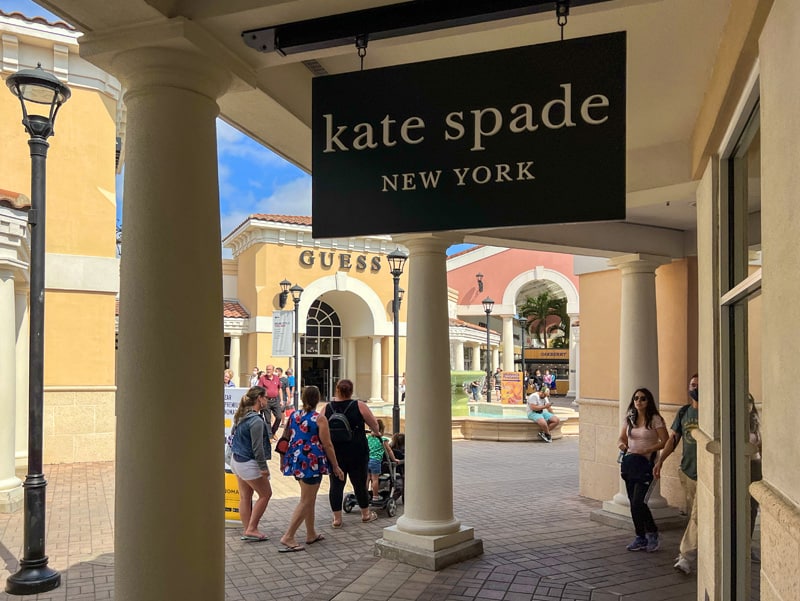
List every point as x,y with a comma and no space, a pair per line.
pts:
521,498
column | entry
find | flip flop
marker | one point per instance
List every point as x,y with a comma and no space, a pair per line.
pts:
316,540
288,549
249,538
372,517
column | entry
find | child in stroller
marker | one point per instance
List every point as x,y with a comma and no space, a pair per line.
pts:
398,446
382,475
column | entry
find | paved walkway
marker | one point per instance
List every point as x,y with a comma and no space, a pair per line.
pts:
521,498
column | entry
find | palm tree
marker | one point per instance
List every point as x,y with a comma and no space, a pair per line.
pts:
541,311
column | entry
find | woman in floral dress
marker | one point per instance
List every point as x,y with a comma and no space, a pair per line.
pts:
308,458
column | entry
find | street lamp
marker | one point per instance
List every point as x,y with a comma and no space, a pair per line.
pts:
397,261
523,324
38,87
488,305
296,291
285,284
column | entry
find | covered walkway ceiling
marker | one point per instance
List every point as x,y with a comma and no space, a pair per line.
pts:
672,47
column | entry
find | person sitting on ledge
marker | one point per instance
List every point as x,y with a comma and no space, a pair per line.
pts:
539,411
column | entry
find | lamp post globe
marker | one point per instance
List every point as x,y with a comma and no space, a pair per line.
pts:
397,261
36,90
488,305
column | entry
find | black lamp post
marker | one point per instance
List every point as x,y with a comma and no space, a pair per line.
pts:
488,305
36,86
523,324
397,261
296,291
285,284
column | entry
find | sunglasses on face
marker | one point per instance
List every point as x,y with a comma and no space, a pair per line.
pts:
640,398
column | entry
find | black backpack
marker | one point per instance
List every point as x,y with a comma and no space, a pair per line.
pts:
339,425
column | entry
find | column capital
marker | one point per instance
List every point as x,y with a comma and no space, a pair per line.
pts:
638,263
427,243
175,53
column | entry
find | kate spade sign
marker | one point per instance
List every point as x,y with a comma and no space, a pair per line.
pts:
514,137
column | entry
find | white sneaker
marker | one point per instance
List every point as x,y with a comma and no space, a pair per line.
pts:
683,565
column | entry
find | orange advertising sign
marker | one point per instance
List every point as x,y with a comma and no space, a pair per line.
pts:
511,392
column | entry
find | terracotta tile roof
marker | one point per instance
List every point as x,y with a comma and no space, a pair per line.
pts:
37,19
291,219
471,326
234,309
229,309
14,200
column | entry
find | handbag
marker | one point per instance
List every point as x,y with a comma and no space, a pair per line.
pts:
282,446
636,468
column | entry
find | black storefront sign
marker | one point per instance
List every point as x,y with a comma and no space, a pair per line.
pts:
529,135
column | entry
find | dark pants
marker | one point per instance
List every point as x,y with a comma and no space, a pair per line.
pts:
642,518
274,408
354,468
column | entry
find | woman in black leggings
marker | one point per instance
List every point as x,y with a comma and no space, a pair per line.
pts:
353,454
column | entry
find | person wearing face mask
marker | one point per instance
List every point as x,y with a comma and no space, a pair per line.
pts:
683,428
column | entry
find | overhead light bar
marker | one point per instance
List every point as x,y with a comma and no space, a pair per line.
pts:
392,20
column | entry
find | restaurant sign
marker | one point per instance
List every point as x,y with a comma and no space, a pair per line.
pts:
521,136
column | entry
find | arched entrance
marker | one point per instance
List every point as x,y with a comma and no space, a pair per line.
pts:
321,347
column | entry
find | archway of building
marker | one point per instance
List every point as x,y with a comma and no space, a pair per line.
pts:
530,284
343,326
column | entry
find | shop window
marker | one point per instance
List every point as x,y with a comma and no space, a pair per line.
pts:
740,370
323,331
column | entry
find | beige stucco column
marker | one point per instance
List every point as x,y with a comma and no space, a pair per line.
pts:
375,369
477,364
169,528
495,357
352,363
23,348
508,343
638,360
458,359
235,359
428,534
10,486
574,357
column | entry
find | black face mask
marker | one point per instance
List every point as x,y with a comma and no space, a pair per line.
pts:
693,394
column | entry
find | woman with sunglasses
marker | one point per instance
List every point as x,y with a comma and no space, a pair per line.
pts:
643,434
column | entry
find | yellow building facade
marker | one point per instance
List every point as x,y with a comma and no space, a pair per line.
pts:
82,273
345,310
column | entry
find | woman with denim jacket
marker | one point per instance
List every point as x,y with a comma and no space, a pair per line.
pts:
251,450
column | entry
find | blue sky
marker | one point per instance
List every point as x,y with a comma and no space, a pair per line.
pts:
252,179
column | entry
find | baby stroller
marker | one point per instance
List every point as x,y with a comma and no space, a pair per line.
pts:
387,489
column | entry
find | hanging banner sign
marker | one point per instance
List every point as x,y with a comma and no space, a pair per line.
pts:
283,334
523,136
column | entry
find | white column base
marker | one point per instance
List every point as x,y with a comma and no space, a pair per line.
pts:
617,513
428,552
11,495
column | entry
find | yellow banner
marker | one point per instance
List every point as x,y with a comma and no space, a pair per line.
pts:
511,387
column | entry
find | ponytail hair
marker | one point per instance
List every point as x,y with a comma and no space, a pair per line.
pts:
248,401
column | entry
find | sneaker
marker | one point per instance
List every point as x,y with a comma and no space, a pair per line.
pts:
652,541
543,436
549,437
683,565
639,544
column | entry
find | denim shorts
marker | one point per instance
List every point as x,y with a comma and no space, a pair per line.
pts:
311,480
374,466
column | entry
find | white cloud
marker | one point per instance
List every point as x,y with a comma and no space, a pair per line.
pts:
233,143
291,198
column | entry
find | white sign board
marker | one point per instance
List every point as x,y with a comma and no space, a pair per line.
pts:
283,334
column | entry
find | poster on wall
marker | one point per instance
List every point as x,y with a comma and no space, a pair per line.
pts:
230,403
431,146
283,334
511,387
